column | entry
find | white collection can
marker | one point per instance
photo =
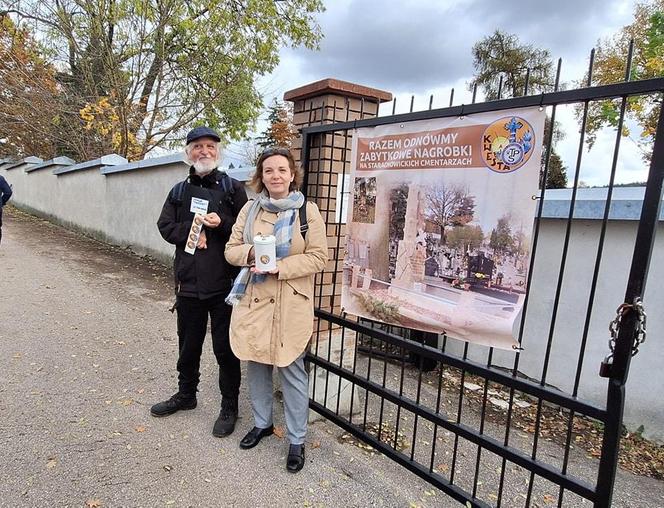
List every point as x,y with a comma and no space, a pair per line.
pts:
265,250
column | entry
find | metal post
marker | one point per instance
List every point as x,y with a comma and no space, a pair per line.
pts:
304,163
645,238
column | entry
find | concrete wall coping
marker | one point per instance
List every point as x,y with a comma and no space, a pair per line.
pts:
626,203
338,87
164,160
106,160
19,163
242,173
57,161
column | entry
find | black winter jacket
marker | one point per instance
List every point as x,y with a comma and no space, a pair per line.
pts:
206,273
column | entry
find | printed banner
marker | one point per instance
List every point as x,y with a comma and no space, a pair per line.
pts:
439,223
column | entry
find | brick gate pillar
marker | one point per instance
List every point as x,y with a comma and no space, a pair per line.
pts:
325,102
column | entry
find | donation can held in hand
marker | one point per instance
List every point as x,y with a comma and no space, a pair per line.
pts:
265,252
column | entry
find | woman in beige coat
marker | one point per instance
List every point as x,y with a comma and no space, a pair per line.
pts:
273,312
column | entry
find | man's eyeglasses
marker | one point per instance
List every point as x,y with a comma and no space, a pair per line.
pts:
276,151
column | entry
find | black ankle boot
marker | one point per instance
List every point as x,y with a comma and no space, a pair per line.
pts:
176,403
295,460
225,424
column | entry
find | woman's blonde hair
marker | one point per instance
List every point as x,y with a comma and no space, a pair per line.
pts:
256,182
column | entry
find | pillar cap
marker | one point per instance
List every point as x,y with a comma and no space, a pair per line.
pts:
338,87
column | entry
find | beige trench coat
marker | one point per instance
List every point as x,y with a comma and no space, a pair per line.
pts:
273,321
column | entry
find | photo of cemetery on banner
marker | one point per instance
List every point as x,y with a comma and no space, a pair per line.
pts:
440,221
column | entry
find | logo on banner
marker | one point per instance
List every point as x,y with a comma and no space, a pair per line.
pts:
507,144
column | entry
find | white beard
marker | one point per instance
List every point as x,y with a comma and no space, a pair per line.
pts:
202,168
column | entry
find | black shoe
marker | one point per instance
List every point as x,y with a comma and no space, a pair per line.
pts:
173,405
295,460
254,437
225,424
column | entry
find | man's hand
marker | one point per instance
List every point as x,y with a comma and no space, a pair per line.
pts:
211,220
202,241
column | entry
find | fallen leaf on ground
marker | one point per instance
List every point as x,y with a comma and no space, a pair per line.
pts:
93,503
280,432
140,428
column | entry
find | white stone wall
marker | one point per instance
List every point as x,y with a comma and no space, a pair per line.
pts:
120,207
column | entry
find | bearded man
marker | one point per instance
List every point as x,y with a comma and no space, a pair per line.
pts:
197,218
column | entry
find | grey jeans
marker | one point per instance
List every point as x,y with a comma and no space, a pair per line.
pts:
295,387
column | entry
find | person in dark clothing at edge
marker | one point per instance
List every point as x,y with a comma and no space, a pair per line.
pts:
5,194
203,279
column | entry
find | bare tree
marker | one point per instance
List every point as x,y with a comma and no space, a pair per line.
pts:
449,205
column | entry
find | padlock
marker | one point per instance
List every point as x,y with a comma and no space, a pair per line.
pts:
605,366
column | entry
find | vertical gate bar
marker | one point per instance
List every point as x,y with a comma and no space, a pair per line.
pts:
458,418
526,82
352,392
559,284
304,157
417,401
486,381
327,221
645,239
482,419
396,425
339,206
321,138
598,260
366,398
382,399
524,311
435,426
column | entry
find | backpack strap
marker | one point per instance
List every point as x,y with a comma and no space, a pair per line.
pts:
226,184
175,196
304,225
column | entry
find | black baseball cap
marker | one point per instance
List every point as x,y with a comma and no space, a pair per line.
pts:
202,132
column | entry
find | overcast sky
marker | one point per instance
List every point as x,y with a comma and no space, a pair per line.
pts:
423,47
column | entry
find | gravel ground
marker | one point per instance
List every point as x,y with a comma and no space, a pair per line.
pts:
87,345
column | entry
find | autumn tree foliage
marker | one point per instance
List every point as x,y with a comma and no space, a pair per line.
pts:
280,130
137,74
28,91
647,32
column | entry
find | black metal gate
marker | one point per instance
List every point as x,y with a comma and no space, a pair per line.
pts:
429,406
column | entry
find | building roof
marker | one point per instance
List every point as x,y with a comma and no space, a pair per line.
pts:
626,203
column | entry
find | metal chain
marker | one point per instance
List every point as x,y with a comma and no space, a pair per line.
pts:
614,326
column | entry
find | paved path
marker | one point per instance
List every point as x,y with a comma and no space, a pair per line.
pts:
87,345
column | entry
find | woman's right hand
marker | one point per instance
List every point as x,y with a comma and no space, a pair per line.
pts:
251,257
